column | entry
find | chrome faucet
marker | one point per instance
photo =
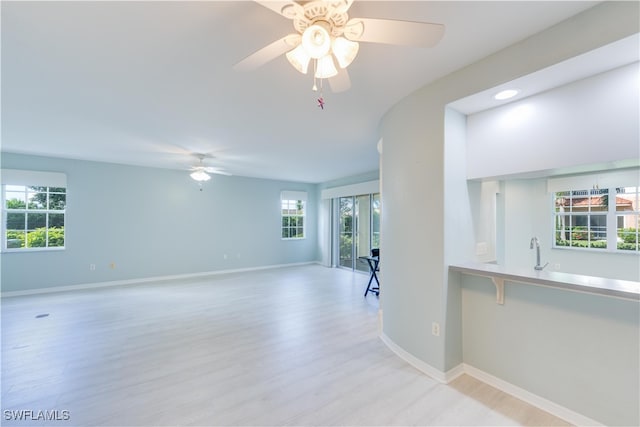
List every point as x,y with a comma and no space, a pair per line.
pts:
536,242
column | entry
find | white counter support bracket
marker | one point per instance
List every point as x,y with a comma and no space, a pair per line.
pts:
499,282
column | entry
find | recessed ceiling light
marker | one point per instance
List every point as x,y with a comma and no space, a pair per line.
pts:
505,94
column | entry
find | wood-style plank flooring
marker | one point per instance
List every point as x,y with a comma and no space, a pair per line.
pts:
289,346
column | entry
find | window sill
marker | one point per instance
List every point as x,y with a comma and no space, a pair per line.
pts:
596,250
31,250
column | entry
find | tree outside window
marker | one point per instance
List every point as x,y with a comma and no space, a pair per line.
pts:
293,218
34,217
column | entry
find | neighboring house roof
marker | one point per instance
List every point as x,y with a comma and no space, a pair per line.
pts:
583,202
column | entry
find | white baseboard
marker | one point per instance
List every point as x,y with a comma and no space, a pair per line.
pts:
515,391
532,399
420,365
144,280
454,373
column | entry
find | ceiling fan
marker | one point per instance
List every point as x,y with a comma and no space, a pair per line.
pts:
200,172
324,34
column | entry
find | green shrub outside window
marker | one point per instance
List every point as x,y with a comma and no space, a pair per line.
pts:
34,217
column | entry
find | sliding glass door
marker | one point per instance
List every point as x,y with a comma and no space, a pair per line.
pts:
358,229
346,232
362,233
375,220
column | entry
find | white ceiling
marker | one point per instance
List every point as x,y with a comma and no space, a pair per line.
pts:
150,83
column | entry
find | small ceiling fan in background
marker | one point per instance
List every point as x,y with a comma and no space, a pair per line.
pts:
324,34
200,172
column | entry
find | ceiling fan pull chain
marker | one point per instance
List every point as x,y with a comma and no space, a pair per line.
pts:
321,99
315,85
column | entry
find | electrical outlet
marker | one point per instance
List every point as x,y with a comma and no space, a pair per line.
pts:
435,329
92,267
224,256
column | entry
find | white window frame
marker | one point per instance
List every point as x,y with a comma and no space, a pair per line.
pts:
589,213
288,199
614,183
26,178
635,212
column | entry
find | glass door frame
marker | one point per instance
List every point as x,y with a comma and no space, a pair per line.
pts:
357,240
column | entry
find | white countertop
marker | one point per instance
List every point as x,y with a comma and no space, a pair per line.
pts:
625,289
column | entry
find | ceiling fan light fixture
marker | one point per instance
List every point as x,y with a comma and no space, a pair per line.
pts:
299,58
326,68
200,176
345,51
316,41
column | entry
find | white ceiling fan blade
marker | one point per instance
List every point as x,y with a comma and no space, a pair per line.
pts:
406,33
209,169
341,6
287,9
268,53
340,82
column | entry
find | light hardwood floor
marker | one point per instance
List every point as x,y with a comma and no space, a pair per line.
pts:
289,346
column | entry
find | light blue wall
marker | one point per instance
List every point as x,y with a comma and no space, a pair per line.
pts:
155,222
458,244
577,350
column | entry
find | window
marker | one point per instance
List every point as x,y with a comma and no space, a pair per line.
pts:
33,216
601,219
293,208
628,218
581,218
